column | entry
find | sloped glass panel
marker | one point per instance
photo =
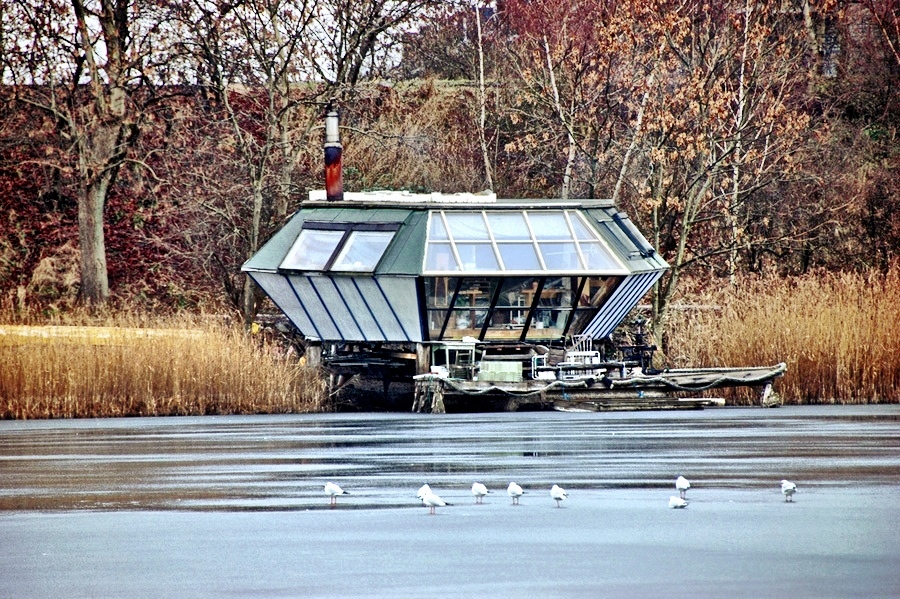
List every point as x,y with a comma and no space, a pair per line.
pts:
518,256
508,226
477,256
362,251
440,258
582,231
312,250
438,230
549,225
467,226
597,257
560,256
524,240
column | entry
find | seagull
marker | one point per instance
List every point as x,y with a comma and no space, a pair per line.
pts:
514,491
423,491
677,502
333,490
788,489
558,493
479,491
682,484
433,501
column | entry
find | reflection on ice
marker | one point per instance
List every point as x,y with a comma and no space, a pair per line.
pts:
282,462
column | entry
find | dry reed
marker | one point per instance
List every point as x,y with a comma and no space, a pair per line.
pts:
171,366
839,335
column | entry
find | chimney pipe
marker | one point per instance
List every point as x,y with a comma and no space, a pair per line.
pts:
334,183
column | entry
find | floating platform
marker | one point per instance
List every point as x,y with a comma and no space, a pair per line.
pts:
605,387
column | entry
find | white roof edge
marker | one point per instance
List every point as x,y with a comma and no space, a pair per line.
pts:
318,195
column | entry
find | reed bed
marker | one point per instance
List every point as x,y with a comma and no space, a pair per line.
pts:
138,366
839,335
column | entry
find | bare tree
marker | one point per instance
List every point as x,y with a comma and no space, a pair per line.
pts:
272,66
88,65
359,39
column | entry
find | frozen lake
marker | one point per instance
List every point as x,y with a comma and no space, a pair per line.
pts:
233,506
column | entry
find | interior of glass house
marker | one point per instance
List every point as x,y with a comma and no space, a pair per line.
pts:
512,308
513,275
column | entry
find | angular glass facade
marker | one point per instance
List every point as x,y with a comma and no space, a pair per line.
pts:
513,308
418,268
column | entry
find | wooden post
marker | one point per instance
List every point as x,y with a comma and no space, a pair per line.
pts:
423,359
313,355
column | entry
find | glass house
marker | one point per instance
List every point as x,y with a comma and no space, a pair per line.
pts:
395,267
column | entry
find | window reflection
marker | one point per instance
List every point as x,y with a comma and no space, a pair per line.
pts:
467,226
477,256
440,257
312,250
528,240
507,226
549,225
362,251
519,256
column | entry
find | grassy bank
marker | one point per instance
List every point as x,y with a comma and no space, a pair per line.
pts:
838,333
136,366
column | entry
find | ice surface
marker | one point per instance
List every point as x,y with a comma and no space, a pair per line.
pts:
234,506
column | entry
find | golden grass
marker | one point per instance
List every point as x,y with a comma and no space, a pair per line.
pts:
140,366
838,333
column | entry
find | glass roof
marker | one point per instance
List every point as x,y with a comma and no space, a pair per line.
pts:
527,241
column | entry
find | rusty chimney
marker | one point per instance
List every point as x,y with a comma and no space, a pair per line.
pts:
334,180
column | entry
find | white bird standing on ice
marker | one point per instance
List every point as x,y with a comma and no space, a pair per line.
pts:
682,484
333,491
433,501
423,491
514,491
479,491
558,494
788,489
677,502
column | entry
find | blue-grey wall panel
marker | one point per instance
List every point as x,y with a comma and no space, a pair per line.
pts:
392,301
312,303
333,307
401,293
278,288
370,328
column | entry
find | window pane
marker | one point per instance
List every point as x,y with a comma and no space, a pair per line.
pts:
363,250
582,231
549,225
438,231
508,226
467,226
440,258
518,256
560,256
312,250
597,257
477,256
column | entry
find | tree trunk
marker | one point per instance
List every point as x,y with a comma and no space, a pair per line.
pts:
488,177
94,279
